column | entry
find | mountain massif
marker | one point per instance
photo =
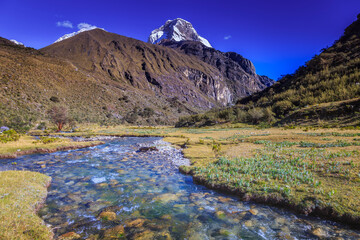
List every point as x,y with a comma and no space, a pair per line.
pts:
104,77
326,90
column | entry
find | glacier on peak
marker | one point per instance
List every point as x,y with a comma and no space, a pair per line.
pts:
177,30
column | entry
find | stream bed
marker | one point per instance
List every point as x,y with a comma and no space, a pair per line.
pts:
112,191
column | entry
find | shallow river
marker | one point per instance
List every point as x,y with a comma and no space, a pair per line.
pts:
152,199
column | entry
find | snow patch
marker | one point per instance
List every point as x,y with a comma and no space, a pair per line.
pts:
17,43
83,28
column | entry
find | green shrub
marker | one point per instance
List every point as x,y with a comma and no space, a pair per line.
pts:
256,114
41,126
147,112
216,147
47,140
226,114
9,136
241,115
283,107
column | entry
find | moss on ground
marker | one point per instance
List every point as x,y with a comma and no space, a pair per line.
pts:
21,195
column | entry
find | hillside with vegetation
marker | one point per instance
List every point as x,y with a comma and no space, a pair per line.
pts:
106,78
323,91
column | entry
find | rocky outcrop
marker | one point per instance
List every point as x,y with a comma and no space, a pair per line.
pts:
237,72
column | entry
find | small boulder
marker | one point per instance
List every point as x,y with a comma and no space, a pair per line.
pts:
319,232
147,149
254,211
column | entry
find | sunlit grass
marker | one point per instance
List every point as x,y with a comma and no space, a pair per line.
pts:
28,143
21,192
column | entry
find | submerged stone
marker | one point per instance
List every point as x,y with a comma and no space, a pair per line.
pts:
319,232
107,216
167,197
146,235
220,215
117,232
225,232
135,223
249,223
254,211
69,236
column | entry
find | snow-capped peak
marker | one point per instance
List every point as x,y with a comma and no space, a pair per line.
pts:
85,27
177,30
17,43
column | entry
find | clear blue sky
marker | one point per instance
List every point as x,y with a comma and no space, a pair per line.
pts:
277,36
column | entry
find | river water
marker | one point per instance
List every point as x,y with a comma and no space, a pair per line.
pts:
147,195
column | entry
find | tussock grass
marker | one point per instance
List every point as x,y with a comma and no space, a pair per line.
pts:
21,194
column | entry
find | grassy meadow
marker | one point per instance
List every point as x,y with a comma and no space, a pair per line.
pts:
21,194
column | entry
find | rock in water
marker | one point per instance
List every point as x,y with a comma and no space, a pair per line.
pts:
69,236
319,232
107,216
147,149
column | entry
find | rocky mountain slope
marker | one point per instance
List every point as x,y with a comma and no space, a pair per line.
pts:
325,90
150,68
105,77
239,72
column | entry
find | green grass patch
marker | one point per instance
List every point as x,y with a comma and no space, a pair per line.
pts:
21,193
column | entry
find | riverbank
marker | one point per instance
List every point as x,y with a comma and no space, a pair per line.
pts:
29,145
22,193
313,171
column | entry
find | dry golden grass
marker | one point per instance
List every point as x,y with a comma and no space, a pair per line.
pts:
21,194
28,143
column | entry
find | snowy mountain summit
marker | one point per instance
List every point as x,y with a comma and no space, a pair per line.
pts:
177,30
17,43
82,26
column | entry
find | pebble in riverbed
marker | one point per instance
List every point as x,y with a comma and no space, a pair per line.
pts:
169,152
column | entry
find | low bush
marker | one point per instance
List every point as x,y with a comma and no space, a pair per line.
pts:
47,140
9,136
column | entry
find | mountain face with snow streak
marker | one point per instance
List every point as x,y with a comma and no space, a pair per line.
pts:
66,36
17,43
177,30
